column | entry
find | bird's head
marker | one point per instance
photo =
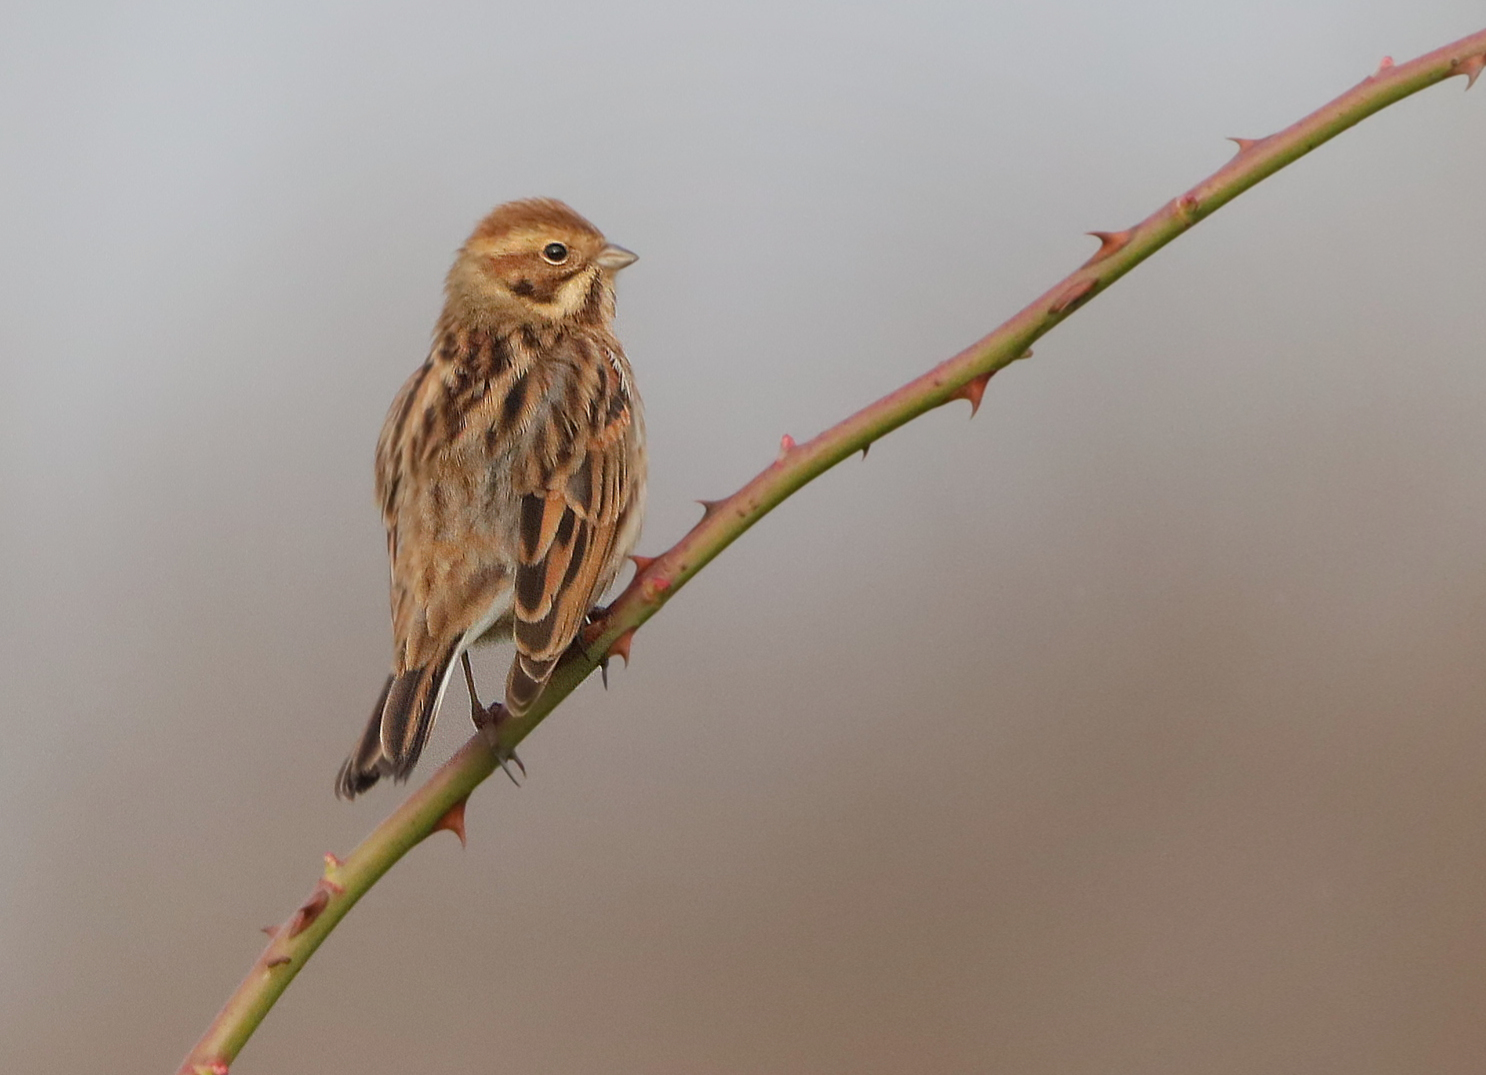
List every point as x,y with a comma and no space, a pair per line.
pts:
535,261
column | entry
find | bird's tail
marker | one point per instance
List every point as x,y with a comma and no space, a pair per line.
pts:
398,728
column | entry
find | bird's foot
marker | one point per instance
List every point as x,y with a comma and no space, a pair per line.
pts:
490,720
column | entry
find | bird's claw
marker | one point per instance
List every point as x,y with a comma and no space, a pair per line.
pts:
490,722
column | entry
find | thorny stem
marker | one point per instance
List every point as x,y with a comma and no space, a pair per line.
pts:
439,803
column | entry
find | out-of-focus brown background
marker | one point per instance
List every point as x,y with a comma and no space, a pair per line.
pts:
1136,726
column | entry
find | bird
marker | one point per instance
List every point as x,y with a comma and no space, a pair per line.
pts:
510,472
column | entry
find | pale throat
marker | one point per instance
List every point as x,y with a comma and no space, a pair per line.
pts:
571,297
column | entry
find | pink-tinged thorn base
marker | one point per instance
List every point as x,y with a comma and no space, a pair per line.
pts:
453,821
1471,69
973,390
621,645
1109,243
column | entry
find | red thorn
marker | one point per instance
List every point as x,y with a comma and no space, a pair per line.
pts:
272,931
620,647
1074,297
1383,65
453,820
216,1067
642,562
309,911
708,507
1109,242
786,445
1471,69
276,961
972,390
1244,144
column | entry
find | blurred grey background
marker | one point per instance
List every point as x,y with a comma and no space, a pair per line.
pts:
1134,727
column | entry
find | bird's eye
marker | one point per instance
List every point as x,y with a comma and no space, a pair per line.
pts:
556,253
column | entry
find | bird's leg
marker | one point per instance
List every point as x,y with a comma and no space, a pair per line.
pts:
488,721
477,711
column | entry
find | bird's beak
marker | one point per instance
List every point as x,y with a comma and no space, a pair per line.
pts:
614,258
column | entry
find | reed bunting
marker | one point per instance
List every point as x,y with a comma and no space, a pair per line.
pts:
510,472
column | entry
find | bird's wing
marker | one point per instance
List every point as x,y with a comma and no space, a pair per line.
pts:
577,492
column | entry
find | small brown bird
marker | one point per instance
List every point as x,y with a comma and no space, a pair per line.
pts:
510,471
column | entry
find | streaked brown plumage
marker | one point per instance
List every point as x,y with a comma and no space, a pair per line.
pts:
510,471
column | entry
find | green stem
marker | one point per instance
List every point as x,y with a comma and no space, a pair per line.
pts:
960,377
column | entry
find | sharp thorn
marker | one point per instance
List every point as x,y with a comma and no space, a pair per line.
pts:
272,931
604,671
708,507
642,562
973,390
1244,144
1471,69
277,961
864,450
1109,242
620,646
452,821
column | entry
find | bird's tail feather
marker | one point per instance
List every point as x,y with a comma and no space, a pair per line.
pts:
399,726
